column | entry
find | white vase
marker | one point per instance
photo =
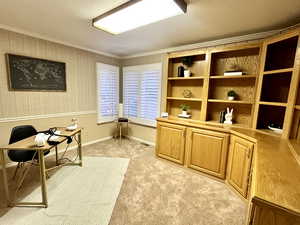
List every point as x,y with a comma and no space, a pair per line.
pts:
184,113
187,73
231,98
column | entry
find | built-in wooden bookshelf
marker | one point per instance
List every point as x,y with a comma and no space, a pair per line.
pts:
266,91
277,86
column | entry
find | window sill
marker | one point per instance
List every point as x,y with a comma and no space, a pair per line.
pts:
105,122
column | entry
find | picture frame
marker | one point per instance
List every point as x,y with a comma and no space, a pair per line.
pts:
27,73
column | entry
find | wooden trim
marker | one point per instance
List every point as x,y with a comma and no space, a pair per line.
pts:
118,8
23,118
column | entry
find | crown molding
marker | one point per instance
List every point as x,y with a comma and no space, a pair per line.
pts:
248,37
235,39
46,38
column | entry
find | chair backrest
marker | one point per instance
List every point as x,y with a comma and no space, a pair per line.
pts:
21,132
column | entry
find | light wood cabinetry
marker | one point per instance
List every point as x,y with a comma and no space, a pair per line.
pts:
263,214
170,142
207,151
239,164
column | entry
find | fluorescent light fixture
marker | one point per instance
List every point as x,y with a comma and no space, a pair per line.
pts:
137,13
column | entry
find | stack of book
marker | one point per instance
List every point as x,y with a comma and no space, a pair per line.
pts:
233,73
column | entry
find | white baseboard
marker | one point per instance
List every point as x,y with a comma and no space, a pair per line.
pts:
72,148
141,140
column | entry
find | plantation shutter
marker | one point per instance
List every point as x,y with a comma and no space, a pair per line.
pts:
108,92
141,93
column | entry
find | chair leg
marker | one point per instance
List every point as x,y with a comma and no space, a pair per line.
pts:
16,170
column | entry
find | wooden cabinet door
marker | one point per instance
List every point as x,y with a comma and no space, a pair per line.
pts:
239,164
170,142
207,151
270,215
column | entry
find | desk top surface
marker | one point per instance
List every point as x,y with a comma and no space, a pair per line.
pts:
29,144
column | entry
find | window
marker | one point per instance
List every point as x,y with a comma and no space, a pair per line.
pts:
107,92
141,93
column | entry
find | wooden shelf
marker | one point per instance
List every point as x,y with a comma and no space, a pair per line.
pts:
270,132
233,77
186,78
229,101
278,71
297,107
273,103
185,99
217,123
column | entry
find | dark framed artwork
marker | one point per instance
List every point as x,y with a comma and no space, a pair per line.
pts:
33,74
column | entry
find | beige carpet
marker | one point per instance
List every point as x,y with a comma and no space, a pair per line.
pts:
156,192
77,196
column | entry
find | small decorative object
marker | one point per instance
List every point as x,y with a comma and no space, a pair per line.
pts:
33,74
184,109
187,93
275,127
180,71
222,116
188,61
164,114
233,70
231,95
73,125
40,139
228,116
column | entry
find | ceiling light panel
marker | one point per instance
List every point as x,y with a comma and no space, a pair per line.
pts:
137,13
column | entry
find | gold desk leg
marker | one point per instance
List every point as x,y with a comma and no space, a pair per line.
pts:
80,148
56,155
5,183
43,178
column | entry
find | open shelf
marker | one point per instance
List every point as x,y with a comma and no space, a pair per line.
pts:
245,89
232,77
229,101
177,87
281,54
217,123
199,66
273,103
186,78
278,71
241,112
270,114
174,109
246,59
185,99
276,88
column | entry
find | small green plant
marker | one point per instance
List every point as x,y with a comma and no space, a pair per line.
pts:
184,107
188,61
231,93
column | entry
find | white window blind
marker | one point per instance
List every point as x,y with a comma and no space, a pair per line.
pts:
141,93
107,92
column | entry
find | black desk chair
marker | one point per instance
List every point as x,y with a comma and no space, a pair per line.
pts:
21,156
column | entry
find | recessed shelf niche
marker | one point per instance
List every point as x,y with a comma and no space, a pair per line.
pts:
197,69
174,108
281,54
177,87
276,87
245,89
270,114
241,113
246,59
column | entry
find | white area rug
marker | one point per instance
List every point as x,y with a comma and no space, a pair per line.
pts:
76,195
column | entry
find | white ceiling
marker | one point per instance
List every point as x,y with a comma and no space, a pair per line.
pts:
70,21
